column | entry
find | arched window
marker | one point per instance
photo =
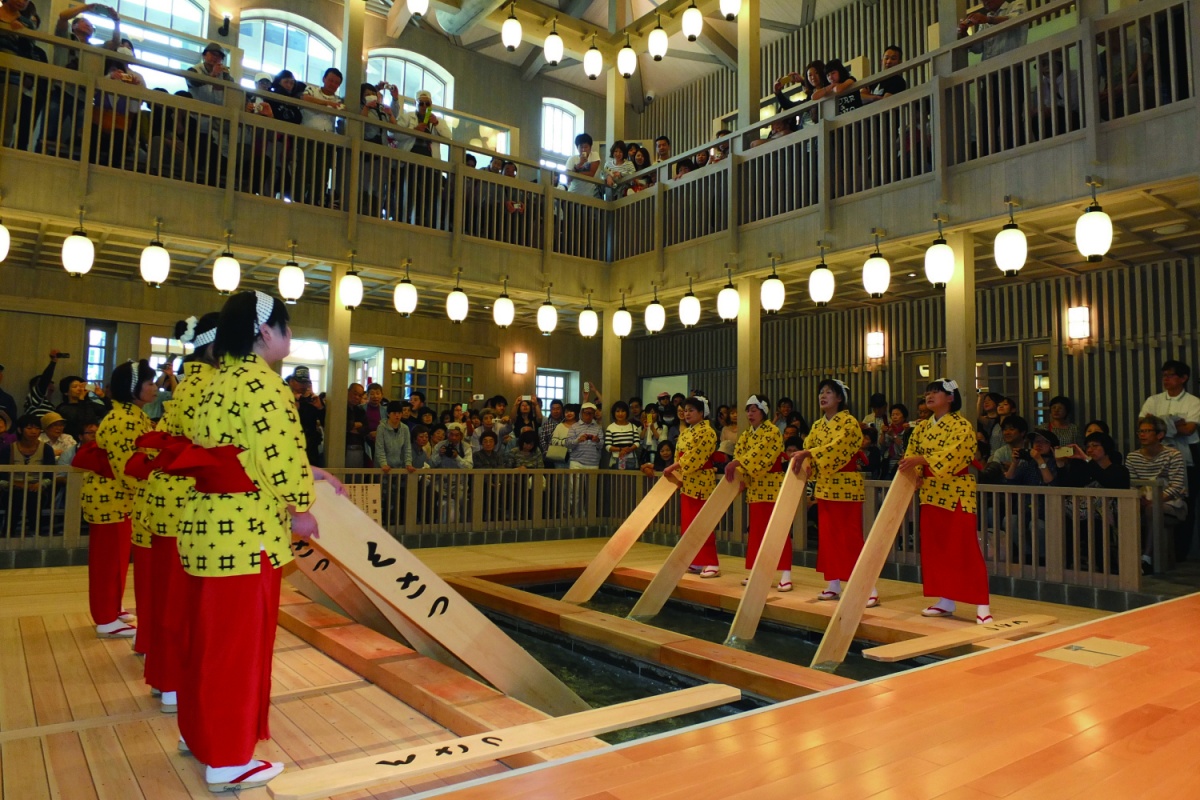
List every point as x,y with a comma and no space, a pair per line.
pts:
561,123
411,72
274,41
185,16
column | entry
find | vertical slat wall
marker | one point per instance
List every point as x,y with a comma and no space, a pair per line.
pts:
687,114
1140,318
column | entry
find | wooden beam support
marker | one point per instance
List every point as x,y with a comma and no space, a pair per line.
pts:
719,47
397,20
776,25
471,14
484,43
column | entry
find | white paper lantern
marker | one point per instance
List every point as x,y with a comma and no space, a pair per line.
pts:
1010,249
5,241
877,275
657,43
350,290
418,7
728,302
593,61
405,297
622,321
939,263
693,23
656,316
772,293
552,50
626,61
589,322
155,264
78,253
547,318
1093,233
227,274
730,9
510,31
689,309
821,284
291,282
503,311
457,305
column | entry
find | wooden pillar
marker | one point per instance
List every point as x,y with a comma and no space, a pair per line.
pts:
614,106
353,24
337,372
749,349
749,83
610,363
960,316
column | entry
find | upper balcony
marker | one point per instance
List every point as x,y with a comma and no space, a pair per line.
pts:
1063,96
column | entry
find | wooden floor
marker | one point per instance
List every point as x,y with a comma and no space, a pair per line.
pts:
76,720
1006,723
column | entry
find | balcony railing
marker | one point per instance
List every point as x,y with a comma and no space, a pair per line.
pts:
1067,83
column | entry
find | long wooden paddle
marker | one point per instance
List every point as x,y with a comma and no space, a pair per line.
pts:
667,578
844,623
420,759
967,634
619,543
750,609
370,554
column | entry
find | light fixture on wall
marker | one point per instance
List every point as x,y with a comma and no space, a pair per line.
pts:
593,61
877,272
405,296
552,50
875,345
728,299
503,310
5,239
730,9
626,60
622,320
656,42
772,293
520,363
291,279
457,304
656,315
418,7
155,264
510,31
547,316
693,22
226,271
589,321
223,31
1010,248
821,282
350,287
1094,228
78,252
689,307
939,258
1079,322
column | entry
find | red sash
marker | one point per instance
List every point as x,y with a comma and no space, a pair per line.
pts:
216,470
93,458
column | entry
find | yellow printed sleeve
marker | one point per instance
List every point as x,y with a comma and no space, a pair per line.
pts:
695,446
955,447
833,442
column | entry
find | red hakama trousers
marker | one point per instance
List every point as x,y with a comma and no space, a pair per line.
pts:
143,597
108,566
689,507
760,515
226,697
951,561
168,639
839,537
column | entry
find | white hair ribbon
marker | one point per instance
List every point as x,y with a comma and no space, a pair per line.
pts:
263,305
845,389
135,369
206,338
754,401
189,335
704,402
949,386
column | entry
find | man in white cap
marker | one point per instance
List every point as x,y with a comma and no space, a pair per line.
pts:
423,120
587,440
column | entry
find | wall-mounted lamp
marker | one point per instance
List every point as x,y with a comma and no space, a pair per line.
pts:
875,345
923,370
1079,322
224,29
520,363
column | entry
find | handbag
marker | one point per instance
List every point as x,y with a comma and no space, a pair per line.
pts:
556,452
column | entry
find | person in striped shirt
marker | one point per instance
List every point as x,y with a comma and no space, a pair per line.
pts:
1149,462
621,438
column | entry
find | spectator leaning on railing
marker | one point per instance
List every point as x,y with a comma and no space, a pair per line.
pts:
1153,461
393,443
1180,414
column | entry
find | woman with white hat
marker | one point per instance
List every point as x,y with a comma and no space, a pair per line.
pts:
758,459
693,469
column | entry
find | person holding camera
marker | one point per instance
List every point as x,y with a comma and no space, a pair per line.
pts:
453,453
942,448
311,410
1034,462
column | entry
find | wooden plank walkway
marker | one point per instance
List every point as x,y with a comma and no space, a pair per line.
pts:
77,721
1006,723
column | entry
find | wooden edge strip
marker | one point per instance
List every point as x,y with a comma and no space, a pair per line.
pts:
967,634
